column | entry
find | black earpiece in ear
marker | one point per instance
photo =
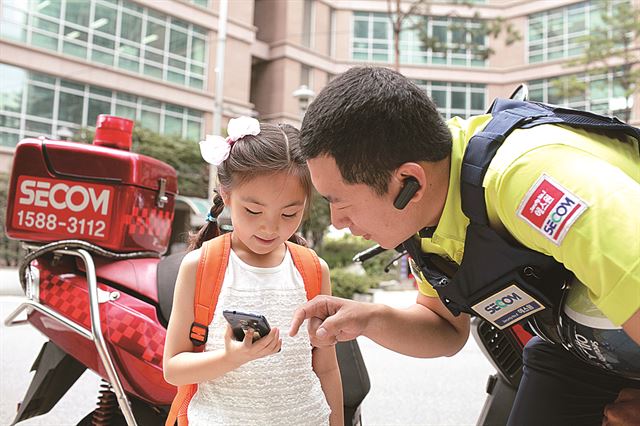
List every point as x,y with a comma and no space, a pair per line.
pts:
409,188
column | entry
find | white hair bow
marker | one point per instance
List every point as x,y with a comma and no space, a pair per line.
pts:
215,149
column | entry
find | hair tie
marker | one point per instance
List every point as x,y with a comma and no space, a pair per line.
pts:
215,149
211,218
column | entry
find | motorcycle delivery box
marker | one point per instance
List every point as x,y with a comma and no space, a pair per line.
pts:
101,193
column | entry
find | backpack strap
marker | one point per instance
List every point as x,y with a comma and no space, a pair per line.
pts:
307,263
214,258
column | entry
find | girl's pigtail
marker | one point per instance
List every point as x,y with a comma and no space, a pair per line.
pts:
211,229
298,239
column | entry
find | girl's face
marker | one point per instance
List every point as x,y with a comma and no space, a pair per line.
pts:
266,210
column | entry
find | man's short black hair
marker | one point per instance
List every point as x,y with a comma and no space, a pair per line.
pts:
371,120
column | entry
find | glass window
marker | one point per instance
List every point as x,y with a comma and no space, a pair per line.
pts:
477,101
599,88
178,42
47,7
128,64
40,101
175,77
9,139
7,121
196,83
172,125
77,12
449,42
197,49
174,108
79,105
97,107
439,97
106,42
38,128
380,30
70,108
104,19
126,111
11,87
46,25
193,130
95,90
361,29
87,29
559,33
13,24
150,120
458,100
155,35
131,27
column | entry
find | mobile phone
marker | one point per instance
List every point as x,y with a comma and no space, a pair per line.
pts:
241,321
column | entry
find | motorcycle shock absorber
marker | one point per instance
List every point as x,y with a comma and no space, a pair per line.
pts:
107,408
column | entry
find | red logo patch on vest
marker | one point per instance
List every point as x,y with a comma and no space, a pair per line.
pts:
550,208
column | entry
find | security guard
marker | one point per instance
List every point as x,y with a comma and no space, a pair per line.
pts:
563,198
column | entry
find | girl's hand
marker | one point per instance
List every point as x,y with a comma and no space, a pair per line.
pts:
247,350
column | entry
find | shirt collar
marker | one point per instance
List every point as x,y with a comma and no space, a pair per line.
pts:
448,236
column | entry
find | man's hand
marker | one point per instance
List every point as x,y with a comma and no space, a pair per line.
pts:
625,410
331,320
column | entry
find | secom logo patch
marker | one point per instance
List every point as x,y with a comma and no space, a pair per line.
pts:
550,208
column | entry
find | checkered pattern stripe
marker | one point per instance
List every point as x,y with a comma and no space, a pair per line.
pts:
67,299
146,221
137,336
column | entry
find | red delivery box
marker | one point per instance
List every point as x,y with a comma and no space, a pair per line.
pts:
100,193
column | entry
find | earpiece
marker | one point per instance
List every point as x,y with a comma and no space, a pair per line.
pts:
409,188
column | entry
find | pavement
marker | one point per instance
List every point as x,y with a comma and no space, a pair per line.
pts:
9,282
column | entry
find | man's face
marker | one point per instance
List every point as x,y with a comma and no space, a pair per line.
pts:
358,207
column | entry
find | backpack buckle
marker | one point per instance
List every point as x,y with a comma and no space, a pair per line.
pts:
199,334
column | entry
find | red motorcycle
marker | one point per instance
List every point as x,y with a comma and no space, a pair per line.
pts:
96,220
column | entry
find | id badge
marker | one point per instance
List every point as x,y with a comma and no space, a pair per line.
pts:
507,307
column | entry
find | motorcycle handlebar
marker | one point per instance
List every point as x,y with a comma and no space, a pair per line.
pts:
368,253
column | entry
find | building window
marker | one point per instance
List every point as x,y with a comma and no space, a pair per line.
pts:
603,93
34,104
202,3
456,99
373,40
115,33
306,75
559,33
307,23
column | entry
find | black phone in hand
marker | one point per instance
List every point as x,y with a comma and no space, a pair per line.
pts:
241,321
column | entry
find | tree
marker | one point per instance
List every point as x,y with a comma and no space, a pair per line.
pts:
315,225
183,155
611,45
468,37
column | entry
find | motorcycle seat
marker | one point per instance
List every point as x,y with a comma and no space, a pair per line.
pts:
137,275
167,273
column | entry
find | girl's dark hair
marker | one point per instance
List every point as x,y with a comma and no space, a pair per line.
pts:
275,149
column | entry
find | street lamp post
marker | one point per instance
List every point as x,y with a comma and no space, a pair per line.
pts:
304,95
219,95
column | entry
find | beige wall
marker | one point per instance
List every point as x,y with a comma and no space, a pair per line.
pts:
270,16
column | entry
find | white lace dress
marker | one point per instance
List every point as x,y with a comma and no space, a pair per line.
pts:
280,389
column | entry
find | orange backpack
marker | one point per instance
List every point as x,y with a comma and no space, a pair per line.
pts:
214,257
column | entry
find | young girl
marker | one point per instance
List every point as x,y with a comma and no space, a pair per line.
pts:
277,379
